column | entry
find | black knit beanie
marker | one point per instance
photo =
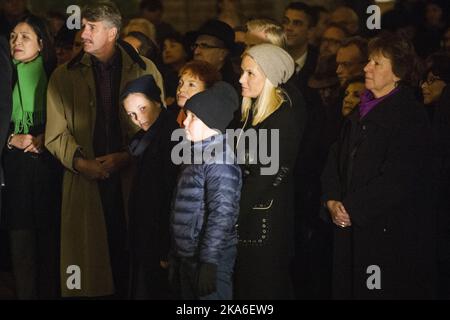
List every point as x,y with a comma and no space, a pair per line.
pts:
145,85
215,106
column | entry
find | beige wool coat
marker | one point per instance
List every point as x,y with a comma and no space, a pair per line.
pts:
71,112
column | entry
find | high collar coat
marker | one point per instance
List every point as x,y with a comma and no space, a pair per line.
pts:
380,169
71,113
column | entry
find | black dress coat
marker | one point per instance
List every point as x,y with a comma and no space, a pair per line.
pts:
265,224
308,69
5,116
5,99
149,206
441,134
380,169
313,236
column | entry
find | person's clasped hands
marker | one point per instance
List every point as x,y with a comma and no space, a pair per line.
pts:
339,214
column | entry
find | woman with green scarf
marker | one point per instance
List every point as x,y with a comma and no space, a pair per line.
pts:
30,206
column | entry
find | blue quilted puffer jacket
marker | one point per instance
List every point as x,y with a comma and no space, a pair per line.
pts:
206,205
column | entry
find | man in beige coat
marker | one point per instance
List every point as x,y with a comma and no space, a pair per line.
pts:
88,132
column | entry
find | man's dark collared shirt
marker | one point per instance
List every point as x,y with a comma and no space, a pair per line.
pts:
107,132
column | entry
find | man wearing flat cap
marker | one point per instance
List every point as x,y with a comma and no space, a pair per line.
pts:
214,43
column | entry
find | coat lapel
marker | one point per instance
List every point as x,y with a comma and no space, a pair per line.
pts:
384,111
88,75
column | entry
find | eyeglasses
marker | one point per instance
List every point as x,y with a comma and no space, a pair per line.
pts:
430,81
204,46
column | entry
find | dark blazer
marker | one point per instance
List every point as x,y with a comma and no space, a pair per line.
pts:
5,97
308,68
379,169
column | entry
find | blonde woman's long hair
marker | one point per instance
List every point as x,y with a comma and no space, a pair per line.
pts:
269,101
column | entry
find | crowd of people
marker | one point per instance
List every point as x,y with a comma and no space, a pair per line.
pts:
358,206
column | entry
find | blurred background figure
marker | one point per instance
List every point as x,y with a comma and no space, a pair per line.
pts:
347,18
436,94
352,95
299,21
56,21
64,42
398,20
445,42
230,12
239,35
77,44
322,22
325,81
6,72
175,54
175,51
141,25
435,20
265,31
12,11
144,46
332,39
153,11
351,58
214,43
437,76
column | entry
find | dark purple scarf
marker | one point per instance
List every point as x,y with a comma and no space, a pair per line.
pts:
368,101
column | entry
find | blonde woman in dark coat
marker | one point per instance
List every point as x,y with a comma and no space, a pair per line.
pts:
265,225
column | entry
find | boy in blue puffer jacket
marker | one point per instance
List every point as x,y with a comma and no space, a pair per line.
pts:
206,206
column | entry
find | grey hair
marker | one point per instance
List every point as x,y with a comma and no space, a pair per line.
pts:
105,11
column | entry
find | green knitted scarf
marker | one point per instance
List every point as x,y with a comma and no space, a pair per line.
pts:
29,95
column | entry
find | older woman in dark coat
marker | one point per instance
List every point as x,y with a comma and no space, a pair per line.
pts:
375,185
